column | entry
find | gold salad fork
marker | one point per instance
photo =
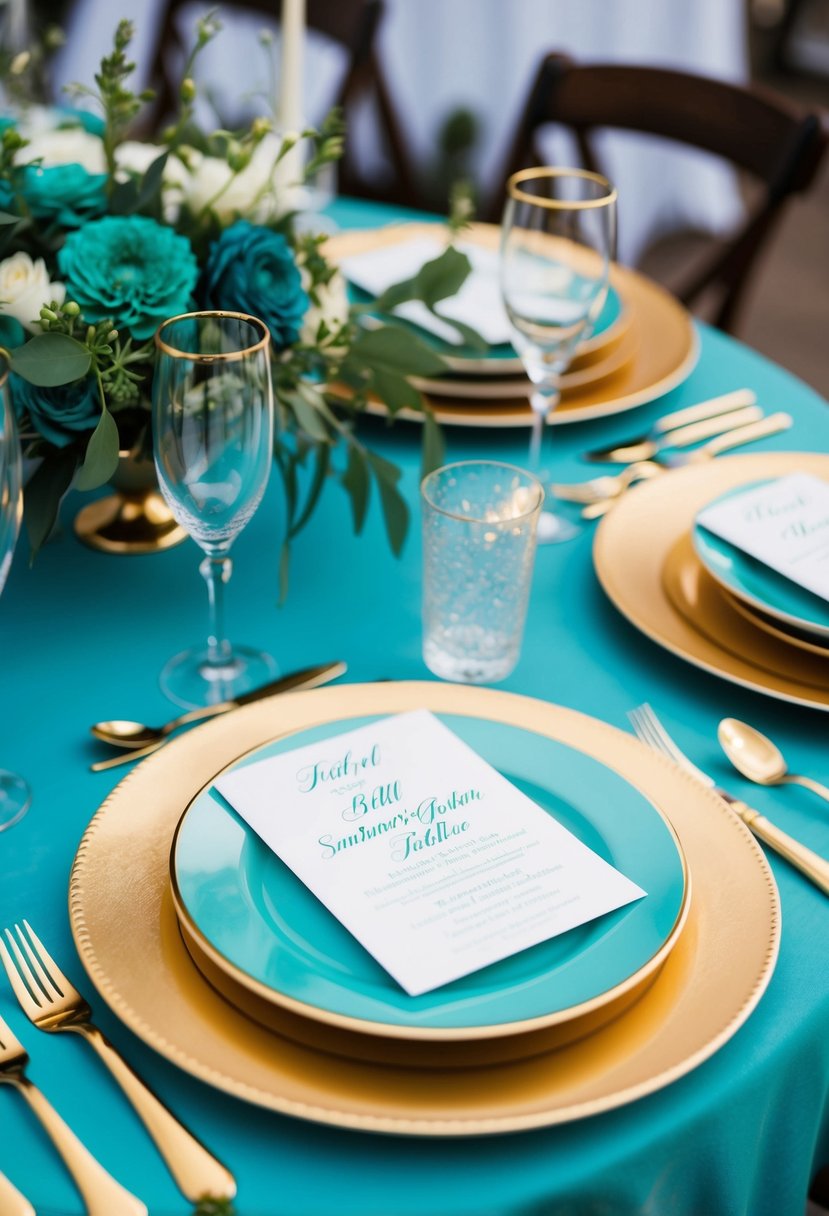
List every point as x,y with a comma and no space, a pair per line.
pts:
12,1203
650,731
49,1001
102,1195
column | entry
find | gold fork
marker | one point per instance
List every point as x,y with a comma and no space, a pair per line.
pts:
12,1203
102,1195
650,731
49,1001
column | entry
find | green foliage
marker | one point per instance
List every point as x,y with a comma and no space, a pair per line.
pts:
51,359
322,383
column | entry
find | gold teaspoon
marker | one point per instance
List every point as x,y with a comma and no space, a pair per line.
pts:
757,758
122,733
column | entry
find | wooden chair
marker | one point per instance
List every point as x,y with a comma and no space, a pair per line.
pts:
776,142
353,24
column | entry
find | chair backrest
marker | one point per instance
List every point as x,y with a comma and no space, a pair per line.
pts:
777,142
351,23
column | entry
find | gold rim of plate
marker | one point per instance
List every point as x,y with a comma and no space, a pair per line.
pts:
611,359
128,938
768,625
644,559
362,240
420,1034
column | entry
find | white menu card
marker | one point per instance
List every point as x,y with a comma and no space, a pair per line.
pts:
435,862
478,302
783,523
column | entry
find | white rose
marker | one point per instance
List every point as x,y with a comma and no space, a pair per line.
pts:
332,309
25,288
249,194
68,147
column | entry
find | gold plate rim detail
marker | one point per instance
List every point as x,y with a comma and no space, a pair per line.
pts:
633,543
129,942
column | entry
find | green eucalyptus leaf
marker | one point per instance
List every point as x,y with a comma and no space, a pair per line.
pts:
395,507
48,360
308,417
149,196
433,453
322,458
124,197
44,492
101,459
442,277
393,348
435,280
286,462
467,334
7,218
394,391
356,482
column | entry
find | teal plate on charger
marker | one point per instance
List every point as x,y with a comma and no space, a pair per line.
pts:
269,928
756,584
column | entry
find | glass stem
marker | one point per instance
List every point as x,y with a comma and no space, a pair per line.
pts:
216,569
543,402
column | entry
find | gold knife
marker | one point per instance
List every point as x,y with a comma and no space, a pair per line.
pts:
307,677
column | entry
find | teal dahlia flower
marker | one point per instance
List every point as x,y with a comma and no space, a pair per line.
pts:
128,269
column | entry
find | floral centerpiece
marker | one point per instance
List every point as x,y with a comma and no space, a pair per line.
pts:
103,237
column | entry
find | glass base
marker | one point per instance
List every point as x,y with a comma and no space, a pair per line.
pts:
191,681
15,799
469,654
554,528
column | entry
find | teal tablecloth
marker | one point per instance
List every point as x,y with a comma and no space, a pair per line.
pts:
82,637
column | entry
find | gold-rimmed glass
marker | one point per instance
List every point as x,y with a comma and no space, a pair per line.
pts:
558,239
213,445
15,794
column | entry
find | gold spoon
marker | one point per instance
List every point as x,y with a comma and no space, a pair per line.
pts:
757,758
122,733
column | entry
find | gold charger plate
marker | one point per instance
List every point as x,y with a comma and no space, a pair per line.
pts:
640,557
128,938
362,240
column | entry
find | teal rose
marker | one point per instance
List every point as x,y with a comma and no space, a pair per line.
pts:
131,270
58,414
251,269
64,194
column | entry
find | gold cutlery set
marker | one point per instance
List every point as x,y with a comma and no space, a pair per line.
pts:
744,744
725,423
53,1005
138,740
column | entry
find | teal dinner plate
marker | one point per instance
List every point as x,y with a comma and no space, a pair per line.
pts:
758,585
501,359
259,918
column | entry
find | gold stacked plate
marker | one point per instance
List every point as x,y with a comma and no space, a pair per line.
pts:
129,939
650,349
645,560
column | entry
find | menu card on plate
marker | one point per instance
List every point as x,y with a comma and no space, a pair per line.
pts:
784,523
478,302
435,862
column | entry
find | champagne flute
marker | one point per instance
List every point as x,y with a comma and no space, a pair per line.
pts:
213,445
558,238
15,795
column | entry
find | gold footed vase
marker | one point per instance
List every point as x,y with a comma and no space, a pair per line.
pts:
135,519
